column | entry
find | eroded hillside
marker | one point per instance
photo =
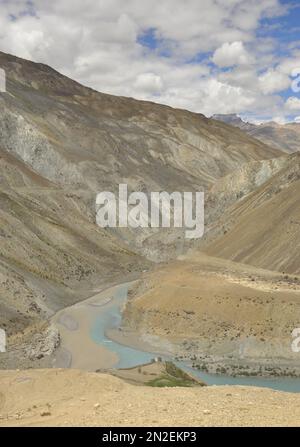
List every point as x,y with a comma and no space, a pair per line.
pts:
52,254
262,228
221,316
61,143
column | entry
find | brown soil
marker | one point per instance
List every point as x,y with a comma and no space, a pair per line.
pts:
74,398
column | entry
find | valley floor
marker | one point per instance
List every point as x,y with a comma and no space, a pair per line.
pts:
75,398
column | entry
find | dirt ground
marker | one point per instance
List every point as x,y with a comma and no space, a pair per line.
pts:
76,398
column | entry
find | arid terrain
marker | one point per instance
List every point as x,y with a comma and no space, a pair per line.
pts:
285,137
76,398
61,144
226,304
262,228
222,316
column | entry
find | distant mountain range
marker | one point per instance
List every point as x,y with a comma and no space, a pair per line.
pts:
285,137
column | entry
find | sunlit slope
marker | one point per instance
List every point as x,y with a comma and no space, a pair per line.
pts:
264,228
221,315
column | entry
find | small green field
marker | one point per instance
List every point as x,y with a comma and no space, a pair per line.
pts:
174,377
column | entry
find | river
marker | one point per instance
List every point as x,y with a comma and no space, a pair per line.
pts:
85,345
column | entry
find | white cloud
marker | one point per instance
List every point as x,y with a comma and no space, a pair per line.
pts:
292,103
242,76
231,54
291,65
148,83
273,81
97,43
279,119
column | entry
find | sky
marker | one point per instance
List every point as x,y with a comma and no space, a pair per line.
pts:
207,56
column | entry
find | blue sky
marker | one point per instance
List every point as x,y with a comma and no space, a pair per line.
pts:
209,56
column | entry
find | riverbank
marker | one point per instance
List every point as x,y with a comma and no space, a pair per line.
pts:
92,337
78,398
78,349
221,317
214,365
158,373
39,345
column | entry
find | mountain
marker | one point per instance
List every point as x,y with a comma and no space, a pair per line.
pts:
285,137
263,227
60,144
73,135
51,252
81,139
234,120
230,305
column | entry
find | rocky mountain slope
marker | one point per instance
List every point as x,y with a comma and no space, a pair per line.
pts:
51,252
224,316
263,227
285,137
81,139
76,136
62,143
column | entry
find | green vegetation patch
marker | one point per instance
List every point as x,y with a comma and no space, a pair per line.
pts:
173,377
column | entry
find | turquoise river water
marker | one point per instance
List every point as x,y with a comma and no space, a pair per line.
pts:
109,316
